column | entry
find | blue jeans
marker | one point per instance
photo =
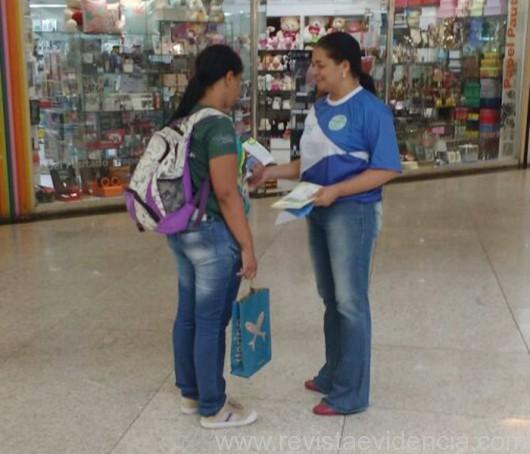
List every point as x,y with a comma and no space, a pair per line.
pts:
208,260
342,239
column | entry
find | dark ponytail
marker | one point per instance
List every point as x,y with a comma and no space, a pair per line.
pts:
211,65
341,47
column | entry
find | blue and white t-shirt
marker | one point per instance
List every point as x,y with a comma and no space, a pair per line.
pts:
344,138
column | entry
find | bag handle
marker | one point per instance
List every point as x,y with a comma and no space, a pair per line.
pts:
251,289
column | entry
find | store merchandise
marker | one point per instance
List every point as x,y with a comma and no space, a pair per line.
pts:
102,93
315,29
102,17
447,82
73,16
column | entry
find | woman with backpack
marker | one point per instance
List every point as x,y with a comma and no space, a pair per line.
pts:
216,251
349,147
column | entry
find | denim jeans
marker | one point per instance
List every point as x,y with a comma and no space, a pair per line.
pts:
342,239
208,260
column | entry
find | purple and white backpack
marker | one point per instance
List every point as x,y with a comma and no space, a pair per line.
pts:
160,197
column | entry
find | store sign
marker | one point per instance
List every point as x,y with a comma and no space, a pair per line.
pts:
511,42
509,100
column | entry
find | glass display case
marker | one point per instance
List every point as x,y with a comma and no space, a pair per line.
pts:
100,96
447,68
447,81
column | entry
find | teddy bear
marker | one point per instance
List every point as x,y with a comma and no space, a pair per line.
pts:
215,11
276,64
73,16
266,62
289,33
355,29
272,38
287,83
338,25
315,29
197,11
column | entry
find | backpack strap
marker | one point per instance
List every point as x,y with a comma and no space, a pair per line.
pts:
201,200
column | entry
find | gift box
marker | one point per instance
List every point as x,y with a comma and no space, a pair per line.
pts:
462,8
490,88
428,17
461,113
495,8
489,128
490,73
455,65
427,55
489,116
489,135
475,33
471,67
491,103
472,94
477,8
447,8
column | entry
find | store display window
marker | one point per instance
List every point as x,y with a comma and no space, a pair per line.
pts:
451,89
106,74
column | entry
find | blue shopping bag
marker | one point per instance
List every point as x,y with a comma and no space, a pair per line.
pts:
251,333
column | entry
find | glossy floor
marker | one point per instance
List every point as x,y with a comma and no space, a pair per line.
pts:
87,305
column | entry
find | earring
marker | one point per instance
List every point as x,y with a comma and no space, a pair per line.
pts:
344,75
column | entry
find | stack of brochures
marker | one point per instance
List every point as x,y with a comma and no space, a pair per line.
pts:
298,203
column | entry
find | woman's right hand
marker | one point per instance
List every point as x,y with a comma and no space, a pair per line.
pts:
260,174
249,267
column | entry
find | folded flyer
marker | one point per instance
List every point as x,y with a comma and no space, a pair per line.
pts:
298,198
258,151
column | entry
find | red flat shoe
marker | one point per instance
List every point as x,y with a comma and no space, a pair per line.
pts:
311,386
322,409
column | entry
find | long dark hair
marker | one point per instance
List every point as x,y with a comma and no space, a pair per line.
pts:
212,64
341,47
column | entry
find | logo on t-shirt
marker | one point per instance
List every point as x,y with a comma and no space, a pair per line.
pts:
338,122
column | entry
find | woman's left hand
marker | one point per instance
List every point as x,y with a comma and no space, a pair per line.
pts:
325,196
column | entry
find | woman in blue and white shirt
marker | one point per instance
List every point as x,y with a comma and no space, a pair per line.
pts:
349,147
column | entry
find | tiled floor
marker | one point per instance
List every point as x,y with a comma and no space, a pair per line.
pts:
86,308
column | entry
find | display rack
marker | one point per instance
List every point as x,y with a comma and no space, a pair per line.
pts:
446,89
101,97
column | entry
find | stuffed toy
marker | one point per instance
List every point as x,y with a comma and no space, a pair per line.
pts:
73,16
272,38
289,34
277,63
100,17
215,11
197,11
315,29
356,29
287,83
338,25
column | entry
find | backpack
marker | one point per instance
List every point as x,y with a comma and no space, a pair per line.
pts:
159,197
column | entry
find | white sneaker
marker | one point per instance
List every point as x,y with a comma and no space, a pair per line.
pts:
189,406
232,414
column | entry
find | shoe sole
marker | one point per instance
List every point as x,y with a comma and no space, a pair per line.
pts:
315,390
189,411
226,425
